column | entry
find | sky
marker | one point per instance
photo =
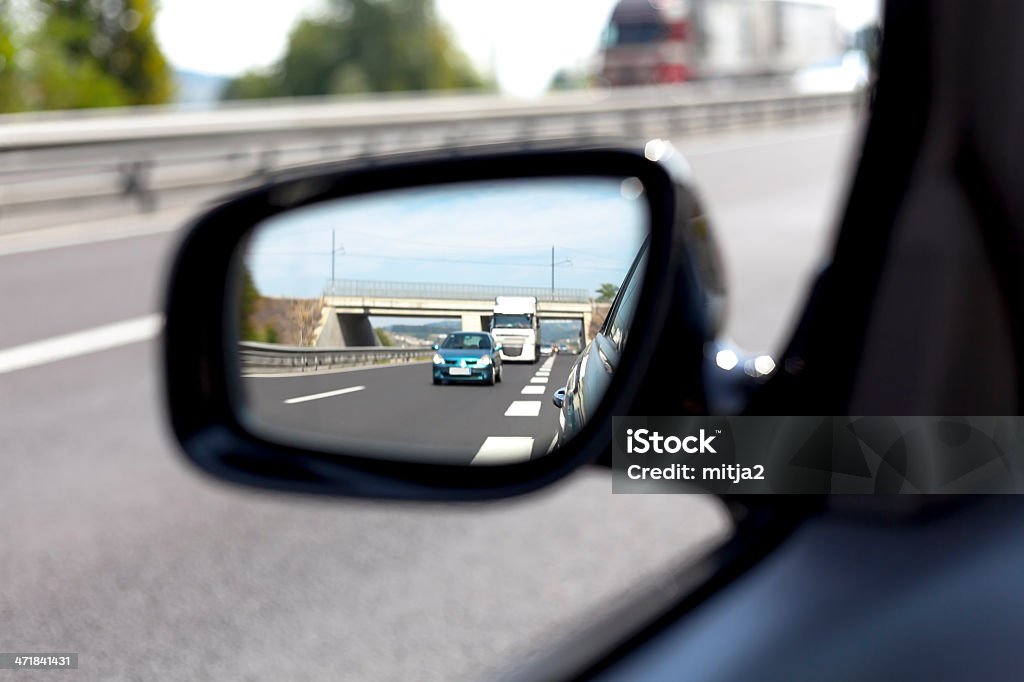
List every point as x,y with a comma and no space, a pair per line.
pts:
497,233
523,41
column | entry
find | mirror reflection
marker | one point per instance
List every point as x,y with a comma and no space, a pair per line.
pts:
438,323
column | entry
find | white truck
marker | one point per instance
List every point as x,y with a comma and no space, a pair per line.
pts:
514,325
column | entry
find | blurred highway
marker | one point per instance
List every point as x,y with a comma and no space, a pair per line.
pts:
116,550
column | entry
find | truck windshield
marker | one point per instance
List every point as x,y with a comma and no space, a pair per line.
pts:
503,321
634,34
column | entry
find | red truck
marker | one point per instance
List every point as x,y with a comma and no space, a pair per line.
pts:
672,41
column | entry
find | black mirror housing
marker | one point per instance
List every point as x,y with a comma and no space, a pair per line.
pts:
674,318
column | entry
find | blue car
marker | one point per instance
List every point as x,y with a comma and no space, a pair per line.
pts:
467,356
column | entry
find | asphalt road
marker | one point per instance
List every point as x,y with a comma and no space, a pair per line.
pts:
399,407
114,548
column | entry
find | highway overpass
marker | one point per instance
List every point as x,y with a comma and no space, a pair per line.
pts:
349,305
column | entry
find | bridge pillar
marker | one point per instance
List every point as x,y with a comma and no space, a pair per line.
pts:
342,330
330,335
471,322
585,332
356,330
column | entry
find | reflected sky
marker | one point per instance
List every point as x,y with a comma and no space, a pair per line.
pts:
491,233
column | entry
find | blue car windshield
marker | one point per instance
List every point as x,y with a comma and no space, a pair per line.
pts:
467,342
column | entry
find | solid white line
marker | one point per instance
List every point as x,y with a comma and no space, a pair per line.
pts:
523,408
539,380
504,450
532,390
80,343
328,394
93,232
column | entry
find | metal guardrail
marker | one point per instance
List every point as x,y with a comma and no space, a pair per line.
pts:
139,157
468,292
256,357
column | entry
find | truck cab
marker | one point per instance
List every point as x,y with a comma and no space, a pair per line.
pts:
514,325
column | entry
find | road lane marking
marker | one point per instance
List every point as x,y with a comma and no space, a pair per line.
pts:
539,380
504,450
84,342
523,408
328,394
533,390
93,232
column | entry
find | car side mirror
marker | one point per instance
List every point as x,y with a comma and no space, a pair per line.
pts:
559,398
259,350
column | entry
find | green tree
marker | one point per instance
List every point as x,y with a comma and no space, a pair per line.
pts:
270,334
384,338
91,54
11,98
360,46
253,85
569,79
606,292
247,306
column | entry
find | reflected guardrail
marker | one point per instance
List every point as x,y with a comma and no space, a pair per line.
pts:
266,357
147,158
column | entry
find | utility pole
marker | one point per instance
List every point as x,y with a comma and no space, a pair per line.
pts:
553,264
334,252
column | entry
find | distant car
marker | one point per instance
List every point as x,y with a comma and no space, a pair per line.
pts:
563,348
545,350
467,356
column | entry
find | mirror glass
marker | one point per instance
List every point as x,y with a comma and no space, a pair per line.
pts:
436,323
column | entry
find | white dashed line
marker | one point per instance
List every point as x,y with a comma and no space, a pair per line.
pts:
533,390
328,394
80,343
539,380
523,408
504,450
